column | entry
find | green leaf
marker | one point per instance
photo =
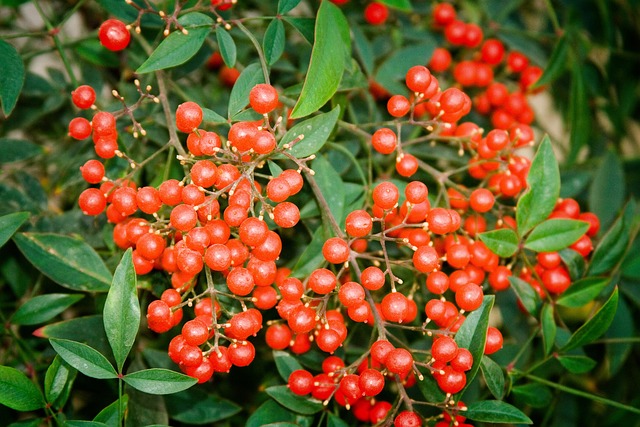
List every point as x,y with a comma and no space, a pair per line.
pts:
583,291
607,191
503,242
579,114
364,49
17,391
430,389
493,376
43,308
528,296
211,116
11,77
84,358
596,326
549,328
496,411
574,262
403,5
577,364
9,224
82,423
557,64
159,381
274,41
122,310
315,130
269,412
299,404
311,258
335,421
58,382
67,261
305,26
544,188
285,363
331,186
614,243
534,395
331,47
193,406
110,414
472,335
555,234
178,48
88,329
239,98
621,327
227,46
285,6
391,73
16,150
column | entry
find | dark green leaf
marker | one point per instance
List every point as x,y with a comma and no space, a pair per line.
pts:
58,382
92,51
9,224
549,328
33,422
472,335
334,421
315,132
534,395
331,47
311,258
496,411
596,326
285,6
299,404
15,150
607,191
577,364
43,308
493,376
631,267
403,5
109,415
122,310
528,296
193,406
555,234
250,76
68,261
430,389
391,73
557,63
178,48
574,262
81,423
227,46
503,242
621,327
89,329
363,48
613,244
544,188
84,358
159,381
11,77
583,291
269,412
285,363
305,26
211,116
331,186
274,41
17,391
579,114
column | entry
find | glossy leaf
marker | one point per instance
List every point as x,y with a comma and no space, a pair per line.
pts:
274,41
178,48
403,5
607,190
305,26
549,328
17,391
89,330
16,150
285,363
331,47
528,296
70,262
335,421
555,234
472,335
159,381
10,223
493,376
84,358
557,64
596,326
583,291
315,132
311,258
574,262
122,310
58,382
577,364
11,77
211,116
194,406
331,186
503,242
613,244
285,6
269,412
429,388
544,188
363,48
227,46
391,73
299,404
496,411
239,98
109,415
42,308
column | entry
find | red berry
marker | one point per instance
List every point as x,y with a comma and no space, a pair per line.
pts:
384,141
188,116
398,105
494,341
92,201
79,128
336,250
83,97
114,35
301,382
376,13
418,78
263,98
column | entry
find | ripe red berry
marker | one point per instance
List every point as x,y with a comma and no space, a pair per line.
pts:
399,361
418,78
263,98
114,35
398,105
188,116
444,349
376,13
492,51
384,141
336,250
301,382
92,201
286,214
204,173
425,259
407,419
358,223
386,195
469,297
494,340
481,200
372,278
79,128
83,97
443,14
92,171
